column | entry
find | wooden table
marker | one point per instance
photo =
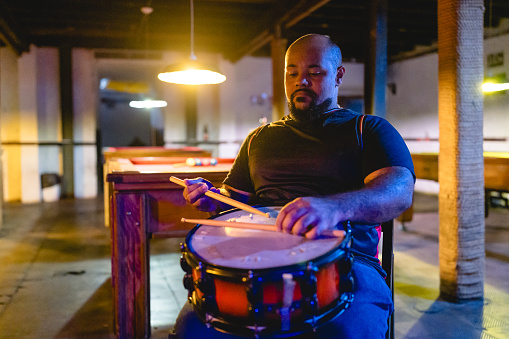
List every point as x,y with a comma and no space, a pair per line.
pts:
496,173
144,203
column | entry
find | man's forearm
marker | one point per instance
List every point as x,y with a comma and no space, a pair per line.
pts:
383,198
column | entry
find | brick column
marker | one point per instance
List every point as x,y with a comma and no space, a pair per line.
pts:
461,172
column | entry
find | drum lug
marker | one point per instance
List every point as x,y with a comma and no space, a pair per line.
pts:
309,281
253,291
183,261
310,305
346,280
309,290
203,282
204,285
209,303
255,297
345,267
188,282
184,264
347,283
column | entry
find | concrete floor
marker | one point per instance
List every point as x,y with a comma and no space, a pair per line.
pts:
55,276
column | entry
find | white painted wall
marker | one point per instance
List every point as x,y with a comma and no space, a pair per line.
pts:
252,80
174,113
353,80
413,109
496,106
227,128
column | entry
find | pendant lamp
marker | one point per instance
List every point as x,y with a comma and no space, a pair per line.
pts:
191,72
495,83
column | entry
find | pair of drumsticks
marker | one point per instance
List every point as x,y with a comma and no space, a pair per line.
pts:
242,206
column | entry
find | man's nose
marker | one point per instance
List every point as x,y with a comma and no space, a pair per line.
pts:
303,80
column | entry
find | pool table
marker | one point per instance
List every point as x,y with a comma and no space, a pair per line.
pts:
111,153
496,173
145,204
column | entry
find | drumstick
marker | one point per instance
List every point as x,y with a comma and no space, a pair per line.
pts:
245,225
253,226
224,199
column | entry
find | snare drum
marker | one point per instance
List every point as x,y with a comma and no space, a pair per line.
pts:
251,282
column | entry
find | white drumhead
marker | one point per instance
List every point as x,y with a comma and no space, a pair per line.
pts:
254,249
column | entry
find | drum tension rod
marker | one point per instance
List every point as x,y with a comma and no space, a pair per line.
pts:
309,290
255,298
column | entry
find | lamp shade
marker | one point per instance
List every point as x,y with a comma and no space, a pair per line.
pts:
191,73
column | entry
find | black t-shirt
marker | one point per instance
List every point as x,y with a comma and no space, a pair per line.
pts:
285,160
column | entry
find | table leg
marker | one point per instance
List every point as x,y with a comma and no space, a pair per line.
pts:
130,268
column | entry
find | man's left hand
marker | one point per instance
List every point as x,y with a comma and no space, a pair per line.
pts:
308,216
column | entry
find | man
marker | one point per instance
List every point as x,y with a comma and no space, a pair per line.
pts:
326,165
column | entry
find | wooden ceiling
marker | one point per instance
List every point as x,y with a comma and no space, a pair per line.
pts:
233,28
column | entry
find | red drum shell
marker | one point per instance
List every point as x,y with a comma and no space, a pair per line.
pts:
238,281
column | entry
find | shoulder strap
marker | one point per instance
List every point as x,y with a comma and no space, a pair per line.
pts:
360,124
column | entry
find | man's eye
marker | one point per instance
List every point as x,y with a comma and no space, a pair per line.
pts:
292,74
315,73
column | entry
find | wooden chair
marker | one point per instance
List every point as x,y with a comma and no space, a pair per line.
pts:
388,266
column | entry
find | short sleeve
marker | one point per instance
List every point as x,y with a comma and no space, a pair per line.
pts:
383,146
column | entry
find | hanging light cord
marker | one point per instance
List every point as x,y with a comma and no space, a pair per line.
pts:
193,57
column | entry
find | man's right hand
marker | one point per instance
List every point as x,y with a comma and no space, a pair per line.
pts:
194,193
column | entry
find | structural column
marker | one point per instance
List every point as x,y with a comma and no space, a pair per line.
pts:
66,103
84,123
278,51
461,172
49,118
375,73
28,131
10,125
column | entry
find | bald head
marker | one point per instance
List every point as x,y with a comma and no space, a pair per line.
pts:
318,42
313,73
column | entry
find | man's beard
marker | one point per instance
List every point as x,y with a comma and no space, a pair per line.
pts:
312,113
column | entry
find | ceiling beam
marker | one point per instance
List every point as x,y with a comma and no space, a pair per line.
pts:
10,33
301,10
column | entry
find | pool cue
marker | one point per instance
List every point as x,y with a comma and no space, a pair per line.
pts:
253,226
224,199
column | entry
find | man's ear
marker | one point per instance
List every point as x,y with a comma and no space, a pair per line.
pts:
339,75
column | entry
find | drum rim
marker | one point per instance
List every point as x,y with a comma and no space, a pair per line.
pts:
231,272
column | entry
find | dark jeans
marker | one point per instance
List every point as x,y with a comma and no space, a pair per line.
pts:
366,317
